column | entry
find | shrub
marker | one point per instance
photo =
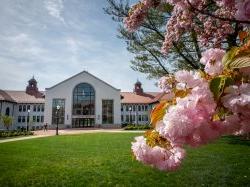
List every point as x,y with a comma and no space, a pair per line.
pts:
137,127
5,134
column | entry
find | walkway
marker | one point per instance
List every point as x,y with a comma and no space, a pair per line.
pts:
41,133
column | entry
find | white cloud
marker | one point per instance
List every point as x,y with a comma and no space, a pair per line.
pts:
34,42
19,46
55,8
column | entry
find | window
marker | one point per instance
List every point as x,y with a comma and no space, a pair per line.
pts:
19,119
58,114
142,108
23,119
24,108
42,108
42,119
122,108
146,108
127,118
140,118
38,108
133,118
107,111
37,119
34,108
20,108
139,107
127,108
133,107
7,111
130,108
28,107
146,118
84,100
34,118
121,117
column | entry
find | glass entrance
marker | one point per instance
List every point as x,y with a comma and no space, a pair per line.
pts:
83,109
83,122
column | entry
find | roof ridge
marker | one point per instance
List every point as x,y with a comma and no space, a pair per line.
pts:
6,96
84,71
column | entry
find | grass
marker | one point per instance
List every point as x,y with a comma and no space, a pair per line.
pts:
104,159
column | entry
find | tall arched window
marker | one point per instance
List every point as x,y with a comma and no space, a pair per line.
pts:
84,100
7,111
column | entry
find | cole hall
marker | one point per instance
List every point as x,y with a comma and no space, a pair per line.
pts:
82,100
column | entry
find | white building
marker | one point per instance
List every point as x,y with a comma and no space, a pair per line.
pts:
25,107
84,100
137,105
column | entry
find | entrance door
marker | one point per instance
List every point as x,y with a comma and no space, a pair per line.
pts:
83,122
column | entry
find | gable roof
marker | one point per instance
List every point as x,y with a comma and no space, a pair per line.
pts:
79,74
133,98
19,97
4,96
145,98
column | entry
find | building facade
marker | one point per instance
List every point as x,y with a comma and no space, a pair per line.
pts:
85,101
82,100
25,107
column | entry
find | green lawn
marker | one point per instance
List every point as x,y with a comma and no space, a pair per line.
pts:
104,159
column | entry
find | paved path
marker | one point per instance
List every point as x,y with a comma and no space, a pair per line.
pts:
41,133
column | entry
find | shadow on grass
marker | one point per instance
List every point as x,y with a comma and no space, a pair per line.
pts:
239,140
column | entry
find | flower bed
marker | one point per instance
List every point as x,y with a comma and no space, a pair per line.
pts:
137,127
6,134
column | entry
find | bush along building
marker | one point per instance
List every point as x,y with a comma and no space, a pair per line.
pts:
82,100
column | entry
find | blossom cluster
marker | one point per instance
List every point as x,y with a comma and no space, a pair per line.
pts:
194,115
138,13
202,105
194,16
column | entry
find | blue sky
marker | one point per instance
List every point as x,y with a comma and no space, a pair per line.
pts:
55,39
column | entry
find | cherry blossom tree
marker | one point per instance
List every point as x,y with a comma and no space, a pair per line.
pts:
205,104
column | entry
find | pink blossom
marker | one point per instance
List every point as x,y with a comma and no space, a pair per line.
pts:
139,12
231,124
243,10
245,125
156,156
186,121
228,3
212,55
214,69
237,98
212,58
190,119
184,19
191,79
166,83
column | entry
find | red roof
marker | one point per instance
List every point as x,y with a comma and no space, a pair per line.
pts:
145,98
127,97
19,97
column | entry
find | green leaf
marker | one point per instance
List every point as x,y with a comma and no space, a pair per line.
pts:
235,59
229,56
218,84
240,62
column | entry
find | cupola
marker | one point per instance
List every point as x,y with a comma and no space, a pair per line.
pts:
138,88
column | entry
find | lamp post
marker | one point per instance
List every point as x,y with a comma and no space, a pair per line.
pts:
57,118
28,120
130,109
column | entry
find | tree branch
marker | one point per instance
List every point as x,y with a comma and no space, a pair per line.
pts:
196,44
217,17
156,58
184,57
175,45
